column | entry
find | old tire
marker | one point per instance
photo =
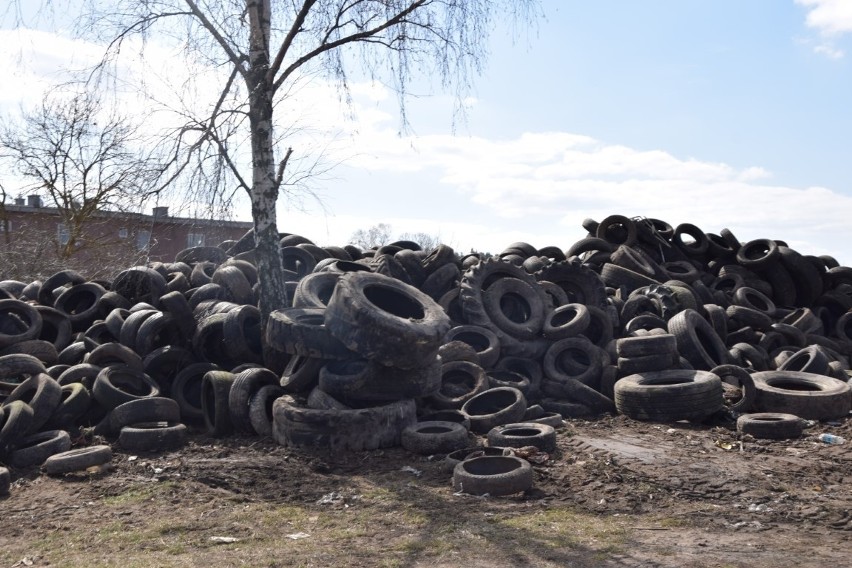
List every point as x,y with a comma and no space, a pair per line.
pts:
493,475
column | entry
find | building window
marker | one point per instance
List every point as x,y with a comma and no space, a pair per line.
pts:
63,235
143,239
122,233
194,240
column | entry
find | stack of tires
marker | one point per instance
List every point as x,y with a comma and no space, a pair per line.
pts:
373,350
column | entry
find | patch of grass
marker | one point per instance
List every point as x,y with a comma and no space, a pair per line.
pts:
561,527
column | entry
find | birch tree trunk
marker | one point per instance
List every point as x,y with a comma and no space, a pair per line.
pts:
264,190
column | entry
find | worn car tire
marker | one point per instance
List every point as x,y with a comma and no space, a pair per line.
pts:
520,434
807,395
668,396
493,475
355,429
434,437
77,459
771,425
386,320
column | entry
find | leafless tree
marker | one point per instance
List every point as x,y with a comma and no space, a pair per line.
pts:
374,237
82,158
425,240
267,47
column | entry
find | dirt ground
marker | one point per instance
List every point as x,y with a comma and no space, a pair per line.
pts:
616,493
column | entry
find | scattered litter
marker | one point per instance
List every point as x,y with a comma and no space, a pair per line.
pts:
724,445
25,561
132,458
332,498
411,470
759,508
671,431
298,536
831,439
224,539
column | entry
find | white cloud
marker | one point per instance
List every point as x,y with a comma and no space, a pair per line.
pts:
829,17
483,193
829,51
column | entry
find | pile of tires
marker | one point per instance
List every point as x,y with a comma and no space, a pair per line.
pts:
425,348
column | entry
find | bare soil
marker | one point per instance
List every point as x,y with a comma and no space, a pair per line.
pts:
616,493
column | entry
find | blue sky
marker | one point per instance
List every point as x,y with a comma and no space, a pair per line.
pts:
728,113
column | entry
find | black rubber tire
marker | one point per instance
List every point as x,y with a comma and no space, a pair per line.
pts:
362,380
573,358
738,377
298,260
646,345
568,320
55,327
53,283
80,303
19,321
75,402
197,254
186,390
771,425
140,284
260,408
484,341
77,459
515,306
638,261
758,254
512,379
235,283
460,381
567,409
458,351
43,395
647,363
576,392
493,407
157,331
447,415
529,368
118,384
152,437
16,421
315,290
301,374
700,243
697,341
581,284
245,386
807,395
493,475
386,320
521,434
215,394
242,334
355,429
441,281
669,396
616,276
434,437
617,230
110,354
165,363
552,419
302,331
36,448
810,359
176,304
151,409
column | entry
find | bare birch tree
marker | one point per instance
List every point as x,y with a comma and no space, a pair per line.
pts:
267,46
82,158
